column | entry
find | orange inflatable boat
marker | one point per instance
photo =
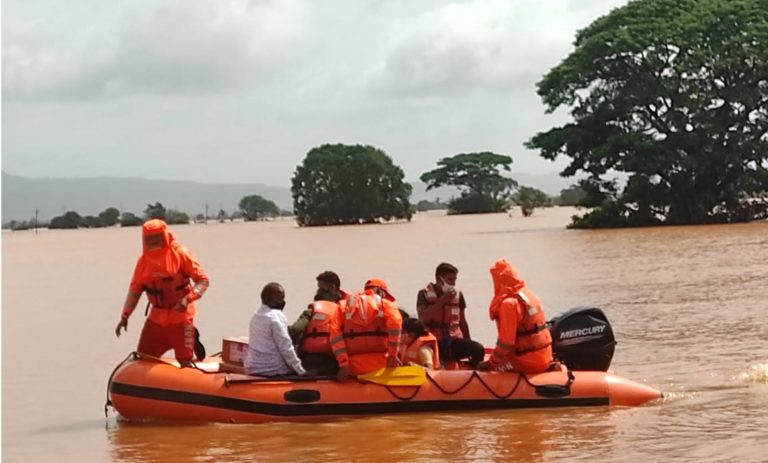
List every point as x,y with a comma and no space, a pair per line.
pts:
157,389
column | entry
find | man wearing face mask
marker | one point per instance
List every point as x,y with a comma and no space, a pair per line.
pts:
321,344
270,351
441,308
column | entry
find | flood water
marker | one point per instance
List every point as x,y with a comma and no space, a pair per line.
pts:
688,305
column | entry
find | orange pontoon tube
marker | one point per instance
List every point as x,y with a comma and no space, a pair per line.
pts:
144,389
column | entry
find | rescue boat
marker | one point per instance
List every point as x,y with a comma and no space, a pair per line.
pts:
159,389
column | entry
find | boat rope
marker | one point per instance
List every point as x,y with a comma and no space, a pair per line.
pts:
416,390
131,357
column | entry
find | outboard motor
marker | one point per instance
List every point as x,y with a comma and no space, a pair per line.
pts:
583,339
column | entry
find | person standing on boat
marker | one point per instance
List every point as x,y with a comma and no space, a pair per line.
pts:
164,271
524,343
321,344
441,308
270,350
371,328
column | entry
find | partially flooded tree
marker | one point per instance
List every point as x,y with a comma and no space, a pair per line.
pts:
484,188
529,198
255,207
347,184
674,93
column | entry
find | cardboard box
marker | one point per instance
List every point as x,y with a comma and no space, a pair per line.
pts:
234,350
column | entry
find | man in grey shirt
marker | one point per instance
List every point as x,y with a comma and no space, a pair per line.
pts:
270,351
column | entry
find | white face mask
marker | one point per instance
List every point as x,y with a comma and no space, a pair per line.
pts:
445,286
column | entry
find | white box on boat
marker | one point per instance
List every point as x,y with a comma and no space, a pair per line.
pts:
234,350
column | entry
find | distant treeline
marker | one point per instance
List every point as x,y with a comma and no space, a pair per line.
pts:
253,207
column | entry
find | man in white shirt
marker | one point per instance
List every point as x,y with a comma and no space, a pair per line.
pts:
270,350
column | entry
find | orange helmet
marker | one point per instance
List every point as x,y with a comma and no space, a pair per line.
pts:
382,285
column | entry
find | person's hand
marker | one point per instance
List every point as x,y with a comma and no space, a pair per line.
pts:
393,361
342,374
121,325
484,366
182,305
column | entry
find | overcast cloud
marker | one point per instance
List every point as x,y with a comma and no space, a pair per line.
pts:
239,91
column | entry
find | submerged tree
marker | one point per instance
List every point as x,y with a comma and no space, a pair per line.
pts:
485,189
155,211
674,93
346,184
529,198
255,207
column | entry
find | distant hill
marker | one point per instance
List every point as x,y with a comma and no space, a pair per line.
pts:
91,195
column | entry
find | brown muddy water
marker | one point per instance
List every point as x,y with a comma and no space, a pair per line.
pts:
688,305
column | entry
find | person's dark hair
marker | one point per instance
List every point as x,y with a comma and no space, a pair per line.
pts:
329,277
404,314
270,289
444,269
414,326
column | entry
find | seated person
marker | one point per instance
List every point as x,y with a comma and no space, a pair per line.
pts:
270,351
322,347
441,308
371,326
418,346
328,289
524,343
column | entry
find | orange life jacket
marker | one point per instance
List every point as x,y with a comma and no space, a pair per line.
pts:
446,319
166,292
410,353
363,327
532,332
317,335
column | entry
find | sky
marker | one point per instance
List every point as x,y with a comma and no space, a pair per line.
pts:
236,91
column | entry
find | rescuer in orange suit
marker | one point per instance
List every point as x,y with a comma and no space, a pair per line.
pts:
371,327
524,342
164,271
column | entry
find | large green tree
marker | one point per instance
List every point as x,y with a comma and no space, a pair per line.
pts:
255,207
674,94
346,184
484,188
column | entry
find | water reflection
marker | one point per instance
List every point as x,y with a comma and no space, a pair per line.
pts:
530,435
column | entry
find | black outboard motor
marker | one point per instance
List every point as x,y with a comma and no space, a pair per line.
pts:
583,339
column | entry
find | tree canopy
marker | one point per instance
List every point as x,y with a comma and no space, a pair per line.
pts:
346,184
529,198
255,207
485,189
673,93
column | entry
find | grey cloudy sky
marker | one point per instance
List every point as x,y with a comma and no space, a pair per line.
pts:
239,91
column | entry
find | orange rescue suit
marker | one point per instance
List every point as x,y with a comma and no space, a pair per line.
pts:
164,274
371,330
323,332
524,342
410,353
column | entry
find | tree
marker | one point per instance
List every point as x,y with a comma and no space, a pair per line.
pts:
347,184
222,216
572,196
155,211
255,207
174,217
675,94
128,219
70,219
109,217
485,189
529,198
